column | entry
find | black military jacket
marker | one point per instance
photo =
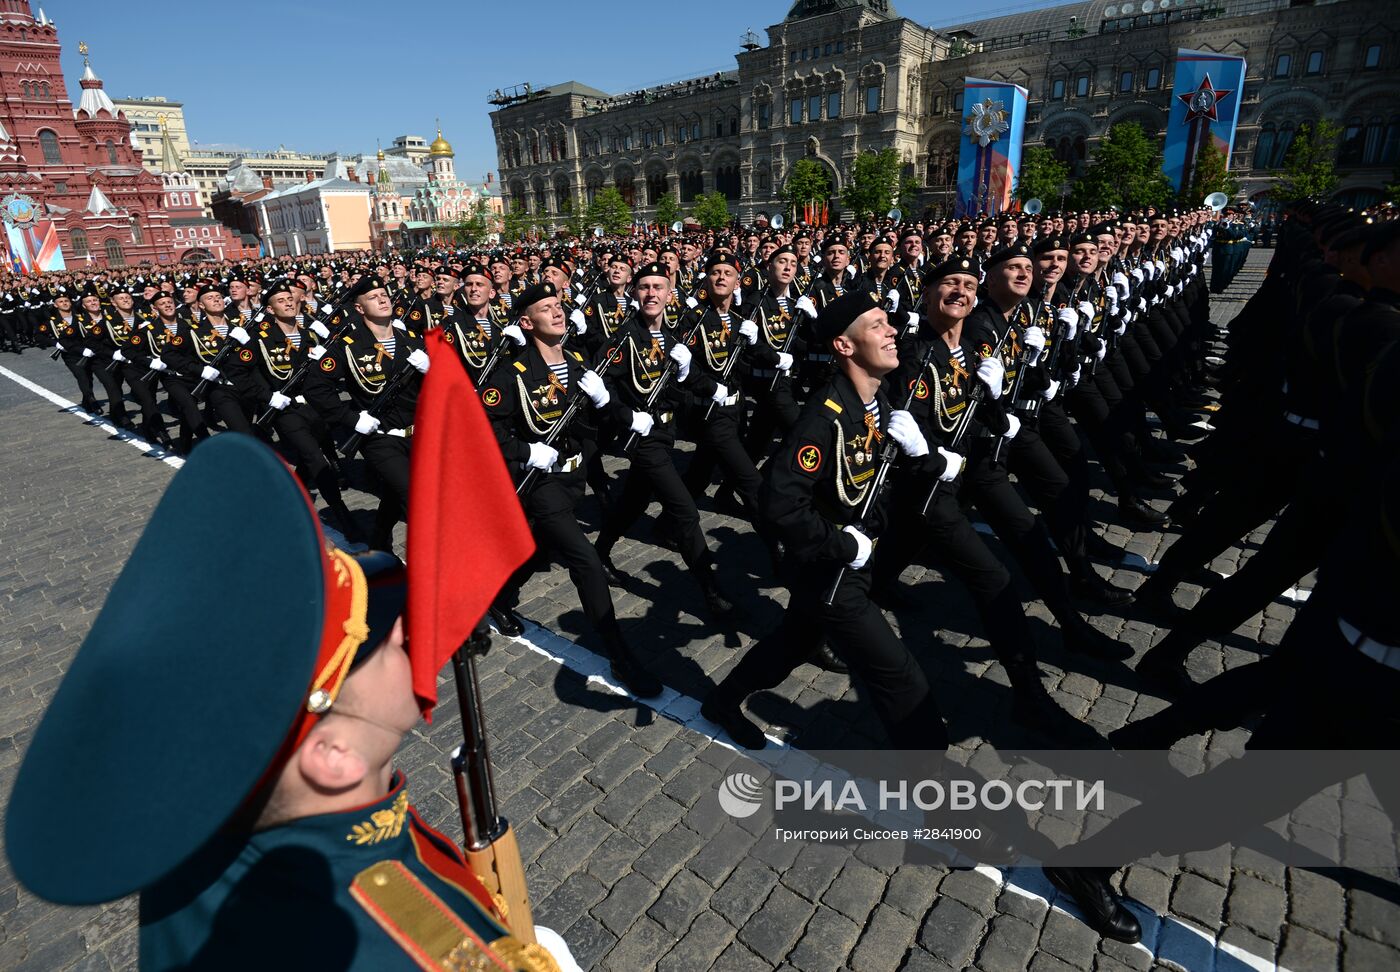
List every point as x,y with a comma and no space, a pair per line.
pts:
363,367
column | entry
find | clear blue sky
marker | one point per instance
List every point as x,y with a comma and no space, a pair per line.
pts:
321,77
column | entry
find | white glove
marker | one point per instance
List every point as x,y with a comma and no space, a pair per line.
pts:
209,374
59,345
992,373
514,332
594,388
1070,320
1034,340
418,358
904,430
321,330
893,298
953,464
1178,254
1086,310
642,423
1051,390
680,354
1122,326
1120,283
118,356
1101,352
1138,274
366,424
738,298
1141,305
805,305
279,401
721,393
158,365
691,302
749,332
542,457
87,352
579,322
317,353
1074,378
863,547
1159,266
913,327
239,335
784,361
1013,426
851,271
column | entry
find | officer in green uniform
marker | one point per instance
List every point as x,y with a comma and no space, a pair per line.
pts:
237,752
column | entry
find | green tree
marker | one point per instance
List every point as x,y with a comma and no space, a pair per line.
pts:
873,183
516,225
468,229
667,209
1392,189
1211,174
711,211
807,182
908,199
610,211
1310,167
1041,176
575,222
1126,171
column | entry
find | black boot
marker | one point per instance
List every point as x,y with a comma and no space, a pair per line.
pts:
1101,548
823,657
1086,584
507,622
1164,665
1102,907
626,668
722,708
1033,708
1137,515
715,600
603,547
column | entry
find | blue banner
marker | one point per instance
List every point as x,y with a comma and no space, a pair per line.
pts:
1206,104
994,123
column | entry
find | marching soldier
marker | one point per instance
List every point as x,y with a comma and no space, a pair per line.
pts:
67,327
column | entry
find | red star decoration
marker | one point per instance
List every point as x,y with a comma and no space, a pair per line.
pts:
1214,97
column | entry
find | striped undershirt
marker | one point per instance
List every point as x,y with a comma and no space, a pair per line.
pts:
872,407
389,344
561,372
485,324
295,338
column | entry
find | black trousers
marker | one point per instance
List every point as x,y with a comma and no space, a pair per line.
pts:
179,392
300,431
1061,496
388,455
959,550
108,374
82,374
652,473
1264,480
549,507
773,414
859,634
8,334
134,374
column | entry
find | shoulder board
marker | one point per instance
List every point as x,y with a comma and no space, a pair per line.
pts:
833,406
577,357
520,367
348,339
435,936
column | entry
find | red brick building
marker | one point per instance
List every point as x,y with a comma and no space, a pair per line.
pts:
78,166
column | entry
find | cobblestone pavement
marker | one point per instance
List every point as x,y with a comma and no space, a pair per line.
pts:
627,852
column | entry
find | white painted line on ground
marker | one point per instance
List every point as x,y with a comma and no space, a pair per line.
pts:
130,438
1166,939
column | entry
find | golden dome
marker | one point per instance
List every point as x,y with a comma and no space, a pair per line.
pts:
440,146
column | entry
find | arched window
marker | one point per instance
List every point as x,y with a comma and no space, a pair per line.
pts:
111,152
115,257
48,141
1390,144
1264,147
185,198
44,90
137,236
79,242
25,90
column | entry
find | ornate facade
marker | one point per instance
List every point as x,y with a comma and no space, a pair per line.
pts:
838,77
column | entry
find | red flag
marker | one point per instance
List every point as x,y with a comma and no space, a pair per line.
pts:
466,531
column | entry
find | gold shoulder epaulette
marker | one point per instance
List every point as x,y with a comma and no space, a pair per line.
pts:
433,934
577,356
833,406
520,367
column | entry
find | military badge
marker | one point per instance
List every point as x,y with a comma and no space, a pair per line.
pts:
245,355
491,397
327,364
809,459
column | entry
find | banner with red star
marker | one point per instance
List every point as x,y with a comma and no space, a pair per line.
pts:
1207,106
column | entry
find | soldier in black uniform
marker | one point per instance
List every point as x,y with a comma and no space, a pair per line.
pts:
262,374
99,341
525,402
363,362
605,310
780,326
813,492
645,352
124,324
66,326
470,320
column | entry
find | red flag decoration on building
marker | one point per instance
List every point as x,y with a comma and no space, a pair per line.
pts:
466,531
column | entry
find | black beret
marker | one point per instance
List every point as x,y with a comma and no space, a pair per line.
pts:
1079,239
473,270
841,313
954,264
721,258
555,262
780,251
908,232
278,287
209,288
653,269
532,295
1048,244
1002,254
1101,229
944,230
372,282
835,239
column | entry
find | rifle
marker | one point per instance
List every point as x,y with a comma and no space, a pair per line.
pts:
202,387
660,386
572,410
1020,370
733,359
299,374
387,397
792,329
965,424
888,454
491,848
